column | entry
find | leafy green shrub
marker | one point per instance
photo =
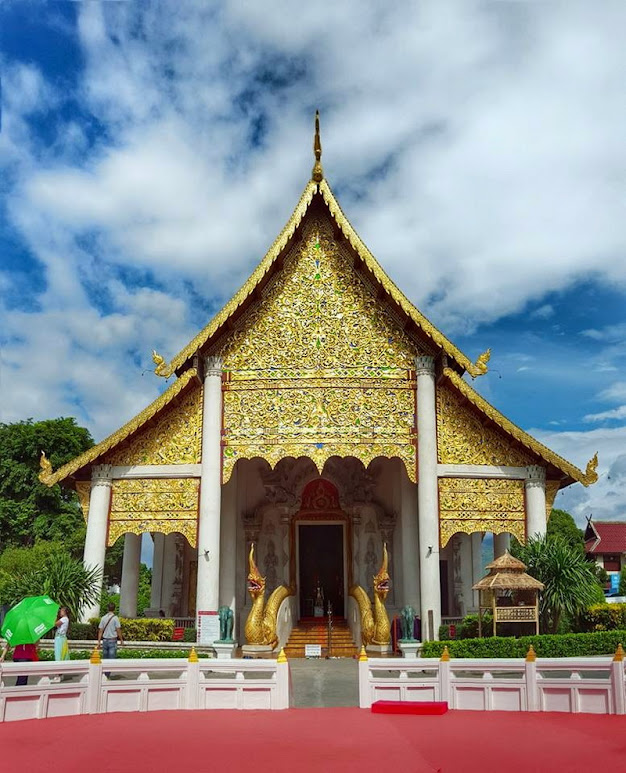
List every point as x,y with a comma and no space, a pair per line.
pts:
603,617
83,631
125,653
444,632
622,582
190,634
546,646
144,628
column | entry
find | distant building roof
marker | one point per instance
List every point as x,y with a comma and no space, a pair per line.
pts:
605,537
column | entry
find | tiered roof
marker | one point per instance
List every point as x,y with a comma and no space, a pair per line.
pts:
318,193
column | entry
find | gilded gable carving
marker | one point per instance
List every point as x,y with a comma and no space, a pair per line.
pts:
462,438
319,368
474,504
175,437
163,505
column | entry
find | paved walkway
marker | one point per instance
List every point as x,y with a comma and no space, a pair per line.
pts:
324,683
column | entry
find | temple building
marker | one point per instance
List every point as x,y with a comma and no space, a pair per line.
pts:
318,416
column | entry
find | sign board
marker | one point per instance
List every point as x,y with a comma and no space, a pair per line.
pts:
312,650
208,627
614,582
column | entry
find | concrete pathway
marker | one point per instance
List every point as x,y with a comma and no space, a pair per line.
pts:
324,683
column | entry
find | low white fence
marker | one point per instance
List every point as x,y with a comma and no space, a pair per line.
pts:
76,687
590,685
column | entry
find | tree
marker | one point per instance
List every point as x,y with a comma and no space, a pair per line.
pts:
29,509
570,582
562,524
61,577
622,582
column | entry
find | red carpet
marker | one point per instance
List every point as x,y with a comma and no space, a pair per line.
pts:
417,708
307,740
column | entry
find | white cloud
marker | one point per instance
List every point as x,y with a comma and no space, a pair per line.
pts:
543,312
614,413
606,499
478,149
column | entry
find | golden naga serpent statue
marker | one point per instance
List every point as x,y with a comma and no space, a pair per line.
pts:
375,627
261,623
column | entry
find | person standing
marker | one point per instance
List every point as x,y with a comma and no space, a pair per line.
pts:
23,653
109,631
61,649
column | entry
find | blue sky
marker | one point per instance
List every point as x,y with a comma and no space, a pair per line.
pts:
150,153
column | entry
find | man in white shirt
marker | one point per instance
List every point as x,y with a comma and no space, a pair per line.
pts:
109,631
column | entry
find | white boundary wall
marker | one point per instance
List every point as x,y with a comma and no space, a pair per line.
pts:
589,685
140,685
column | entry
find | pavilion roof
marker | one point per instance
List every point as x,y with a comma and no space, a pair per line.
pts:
507,573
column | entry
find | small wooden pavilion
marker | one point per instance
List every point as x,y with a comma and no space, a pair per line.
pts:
509,593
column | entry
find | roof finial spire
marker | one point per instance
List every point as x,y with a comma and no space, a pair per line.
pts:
318,174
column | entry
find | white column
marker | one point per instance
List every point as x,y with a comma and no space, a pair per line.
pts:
169,573
410,546
207,597
467,573
228,563
97,522
130,575
477,564
427,499
501,543
536,521
157,573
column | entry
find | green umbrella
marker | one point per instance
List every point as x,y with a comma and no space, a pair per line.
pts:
27,621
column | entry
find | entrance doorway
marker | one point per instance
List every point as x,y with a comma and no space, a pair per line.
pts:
321,566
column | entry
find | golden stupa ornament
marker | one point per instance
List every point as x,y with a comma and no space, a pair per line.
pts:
318,173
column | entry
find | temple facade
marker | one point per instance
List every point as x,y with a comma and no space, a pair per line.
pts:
319,416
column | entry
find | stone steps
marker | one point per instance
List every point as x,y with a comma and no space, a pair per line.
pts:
316,632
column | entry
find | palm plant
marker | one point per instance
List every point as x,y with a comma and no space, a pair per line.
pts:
63,578
570,581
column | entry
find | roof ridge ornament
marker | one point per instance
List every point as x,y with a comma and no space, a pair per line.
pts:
318,172
480,365
591,475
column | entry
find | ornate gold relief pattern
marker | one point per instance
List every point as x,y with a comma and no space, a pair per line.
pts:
587,478
552,489
154,504
175,438
83,489
128,429
463,439
318,368
475,504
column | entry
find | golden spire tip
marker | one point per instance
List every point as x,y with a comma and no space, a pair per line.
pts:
318,174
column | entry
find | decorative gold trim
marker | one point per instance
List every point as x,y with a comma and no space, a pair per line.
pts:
121,434
591,476
523,437
46,468
481,362
83,489
552,489
398,296
364,254
246,290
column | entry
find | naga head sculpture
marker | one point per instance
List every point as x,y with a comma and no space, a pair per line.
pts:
256,583
381,580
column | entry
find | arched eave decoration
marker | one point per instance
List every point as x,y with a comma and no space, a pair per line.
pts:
468,505
319,454
165,505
